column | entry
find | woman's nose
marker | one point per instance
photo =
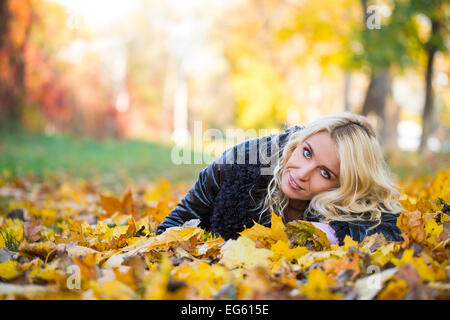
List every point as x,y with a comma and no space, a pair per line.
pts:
304,172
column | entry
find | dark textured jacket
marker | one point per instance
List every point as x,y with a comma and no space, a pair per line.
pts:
227,193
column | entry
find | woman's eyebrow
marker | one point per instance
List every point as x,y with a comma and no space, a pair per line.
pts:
312,153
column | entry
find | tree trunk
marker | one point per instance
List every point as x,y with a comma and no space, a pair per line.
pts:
375,99
380,103
428,107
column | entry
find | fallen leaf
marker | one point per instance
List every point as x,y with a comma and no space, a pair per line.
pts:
31,230
299,232
9,270
317,287
242,252
44,250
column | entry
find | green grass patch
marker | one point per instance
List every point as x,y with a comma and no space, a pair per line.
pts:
40,155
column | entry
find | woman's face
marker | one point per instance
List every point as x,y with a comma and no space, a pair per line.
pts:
312,168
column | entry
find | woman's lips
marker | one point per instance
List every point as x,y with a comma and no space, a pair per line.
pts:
293,184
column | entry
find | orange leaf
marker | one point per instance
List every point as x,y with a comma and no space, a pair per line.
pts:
87,266
159,212
110,205
412,225
128,207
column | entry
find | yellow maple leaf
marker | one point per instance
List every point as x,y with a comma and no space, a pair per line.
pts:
349,242
264,234
317,286
9,270
243,252
282,249
205,278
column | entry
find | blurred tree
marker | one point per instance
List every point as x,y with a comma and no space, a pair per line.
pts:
326,41
273,42
15,18
257,73
48,102
396,44
385,46
438,13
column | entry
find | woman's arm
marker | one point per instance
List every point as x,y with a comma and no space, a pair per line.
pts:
197,204
358,230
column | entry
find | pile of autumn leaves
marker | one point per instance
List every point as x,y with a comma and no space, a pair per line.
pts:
68,241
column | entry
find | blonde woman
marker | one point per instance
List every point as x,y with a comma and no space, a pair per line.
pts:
330,172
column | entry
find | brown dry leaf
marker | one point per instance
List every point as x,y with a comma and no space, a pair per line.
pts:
411,224
408,273
31,230
44,250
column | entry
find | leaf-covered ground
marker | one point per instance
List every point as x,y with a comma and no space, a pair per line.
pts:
69,239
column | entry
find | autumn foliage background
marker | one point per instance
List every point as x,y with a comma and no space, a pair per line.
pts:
94,95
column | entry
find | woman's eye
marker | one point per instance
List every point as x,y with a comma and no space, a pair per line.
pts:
306,153
326,175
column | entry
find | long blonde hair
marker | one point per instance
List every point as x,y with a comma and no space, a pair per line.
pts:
365,185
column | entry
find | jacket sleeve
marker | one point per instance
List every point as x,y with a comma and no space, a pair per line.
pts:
197,204
358,230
